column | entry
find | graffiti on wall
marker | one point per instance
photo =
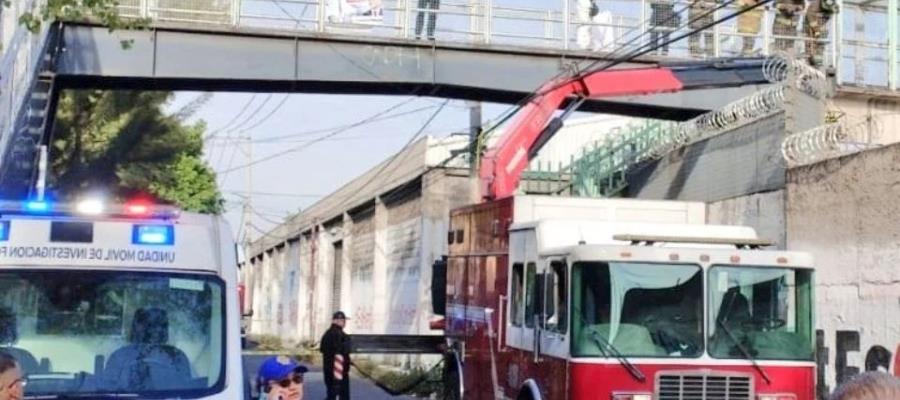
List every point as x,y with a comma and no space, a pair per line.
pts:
403,255
877,358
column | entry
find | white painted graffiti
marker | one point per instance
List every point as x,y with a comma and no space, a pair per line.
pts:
392,56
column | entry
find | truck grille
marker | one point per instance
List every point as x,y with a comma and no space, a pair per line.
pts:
703,386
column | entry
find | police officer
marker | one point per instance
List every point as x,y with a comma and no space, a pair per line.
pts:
748,25
787,14
280,378
701,14
815,26
335,348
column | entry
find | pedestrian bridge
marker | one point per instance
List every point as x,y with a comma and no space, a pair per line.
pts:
488,50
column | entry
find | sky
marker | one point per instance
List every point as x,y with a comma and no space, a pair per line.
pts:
284,123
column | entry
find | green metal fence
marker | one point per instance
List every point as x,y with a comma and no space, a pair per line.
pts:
600,171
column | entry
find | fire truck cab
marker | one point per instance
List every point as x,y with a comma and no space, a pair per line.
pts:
575,298
124,301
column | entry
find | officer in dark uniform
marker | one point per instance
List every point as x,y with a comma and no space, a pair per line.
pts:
815,26
787,15
335,348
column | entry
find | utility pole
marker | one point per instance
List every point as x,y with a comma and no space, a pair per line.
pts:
474,148
248,201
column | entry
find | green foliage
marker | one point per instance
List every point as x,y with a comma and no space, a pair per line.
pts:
121,143
102,11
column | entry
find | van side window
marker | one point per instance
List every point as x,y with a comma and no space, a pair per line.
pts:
516,295
555,310
530,295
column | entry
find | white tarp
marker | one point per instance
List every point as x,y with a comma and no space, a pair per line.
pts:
362,12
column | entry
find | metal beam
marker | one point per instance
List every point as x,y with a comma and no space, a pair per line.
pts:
177,58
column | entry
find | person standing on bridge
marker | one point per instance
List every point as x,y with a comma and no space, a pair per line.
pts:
784,27
427,15
335,348
701,15
663,20
815,26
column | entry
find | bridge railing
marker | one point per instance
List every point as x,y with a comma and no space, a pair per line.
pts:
21,56
861,43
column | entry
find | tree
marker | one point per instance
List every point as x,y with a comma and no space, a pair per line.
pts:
104,11
122,143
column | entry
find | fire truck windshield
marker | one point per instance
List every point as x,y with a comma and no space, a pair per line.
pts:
642,309
104,333
767,310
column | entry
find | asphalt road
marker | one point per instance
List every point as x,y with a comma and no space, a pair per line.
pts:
314,387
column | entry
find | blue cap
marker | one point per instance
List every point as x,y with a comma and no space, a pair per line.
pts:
280,367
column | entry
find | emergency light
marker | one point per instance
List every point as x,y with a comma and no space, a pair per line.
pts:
37,207
4,231
153,234
133,209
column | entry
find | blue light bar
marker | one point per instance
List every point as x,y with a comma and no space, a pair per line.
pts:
4,231
162,235
37,207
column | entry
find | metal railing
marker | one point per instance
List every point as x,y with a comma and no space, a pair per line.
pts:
860,42
22,54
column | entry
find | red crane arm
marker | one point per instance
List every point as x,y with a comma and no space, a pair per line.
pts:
502,165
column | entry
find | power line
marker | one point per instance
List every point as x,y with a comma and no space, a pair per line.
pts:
393,158
246,120
278,139
216,131
312,142
273,194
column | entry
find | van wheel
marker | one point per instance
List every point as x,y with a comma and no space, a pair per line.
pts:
525,394
452,379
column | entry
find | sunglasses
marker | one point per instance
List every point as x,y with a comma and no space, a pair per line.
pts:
286,382
20,381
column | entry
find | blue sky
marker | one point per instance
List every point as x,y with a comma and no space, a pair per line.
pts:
297,179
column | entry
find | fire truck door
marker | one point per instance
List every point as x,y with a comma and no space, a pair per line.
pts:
553,327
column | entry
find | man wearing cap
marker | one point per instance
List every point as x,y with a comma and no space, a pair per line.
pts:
280,378
335,348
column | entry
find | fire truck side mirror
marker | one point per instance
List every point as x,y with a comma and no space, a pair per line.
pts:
439,286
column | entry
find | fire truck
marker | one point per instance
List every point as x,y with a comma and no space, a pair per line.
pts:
568,298
575,298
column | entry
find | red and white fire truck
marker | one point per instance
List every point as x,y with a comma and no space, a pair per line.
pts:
574,298
569,298
559,298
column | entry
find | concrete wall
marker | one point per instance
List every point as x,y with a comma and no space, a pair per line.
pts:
762,211
388,246
881,108
845,212
739,162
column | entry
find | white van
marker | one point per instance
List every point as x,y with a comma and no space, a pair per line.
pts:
132,300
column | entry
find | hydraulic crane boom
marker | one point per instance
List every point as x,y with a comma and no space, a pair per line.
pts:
503,164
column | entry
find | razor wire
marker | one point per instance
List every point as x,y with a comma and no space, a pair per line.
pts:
829,141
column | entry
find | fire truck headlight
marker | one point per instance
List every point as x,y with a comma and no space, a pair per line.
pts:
777,396
632,396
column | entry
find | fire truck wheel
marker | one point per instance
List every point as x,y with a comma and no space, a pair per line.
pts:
452,379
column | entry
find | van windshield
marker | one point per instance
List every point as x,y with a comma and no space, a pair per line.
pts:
104,332
641,309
